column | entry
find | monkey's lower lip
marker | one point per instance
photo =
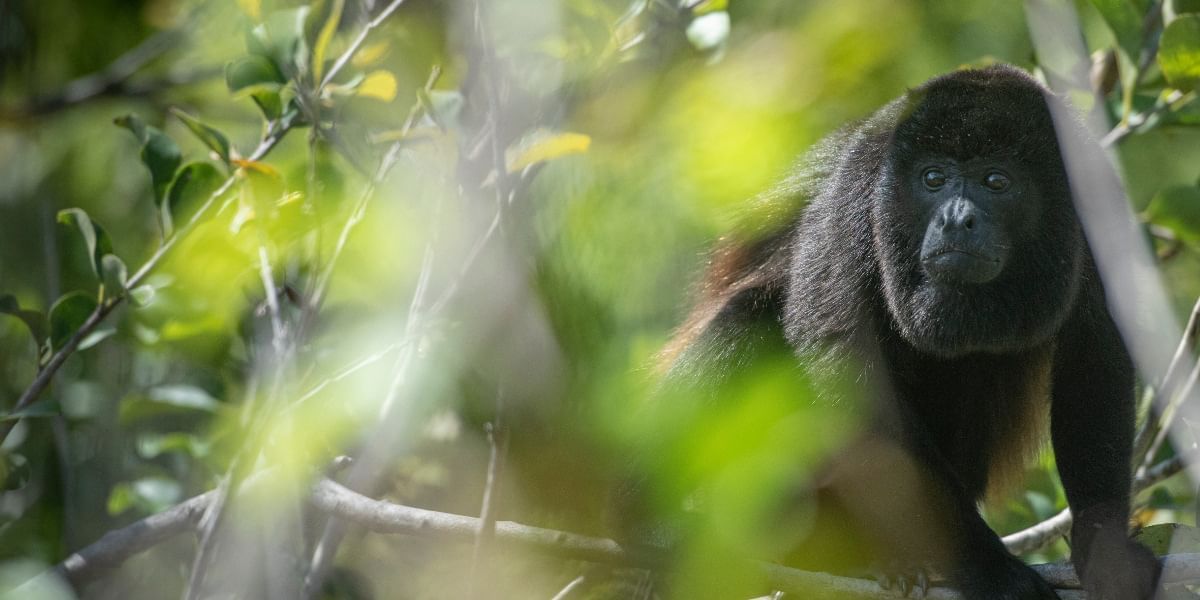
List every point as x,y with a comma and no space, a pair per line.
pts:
954,265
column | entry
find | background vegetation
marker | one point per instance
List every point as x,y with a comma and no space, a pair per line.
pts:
446,239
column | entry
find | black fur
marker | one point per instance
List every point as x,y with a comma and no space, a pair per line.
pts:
960,374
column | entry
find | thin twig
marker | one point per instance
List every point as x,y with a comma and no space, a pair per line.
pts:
358,42
497,444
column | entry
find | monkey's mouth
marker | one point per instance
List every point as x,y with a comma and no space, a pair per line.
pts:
953,265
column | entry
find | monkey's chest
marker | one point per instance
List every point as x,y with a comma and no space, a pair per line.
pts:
986,415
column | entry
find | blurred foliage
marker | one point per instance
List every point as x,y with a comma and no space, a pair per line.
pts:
622,137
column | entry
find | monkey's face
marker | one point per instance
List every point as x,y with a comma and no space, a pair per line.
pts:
976,240
972,211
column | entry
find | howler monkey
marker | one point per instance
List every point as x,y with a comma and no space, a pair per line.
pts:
939,266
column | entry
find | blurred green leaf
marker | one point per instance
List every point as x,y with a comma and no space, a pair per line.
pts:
14,472
94,237
1185,6
280,38
168,399
42,408
248,73
1125,21
114,274
151,445
193,186
1177,208
1169,537
160,154
96,337
141,295
148,494
1179,52
215,140
67,315
35,321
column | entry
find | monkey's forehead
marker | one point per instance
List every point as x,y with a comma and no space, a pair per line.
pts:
967,118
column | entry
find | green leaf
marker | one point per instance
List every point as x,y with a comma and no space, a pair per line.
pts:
42,408
1170,537
1125,21
1185,6
94,237
1177,208
269,102
67,315
320,44
113,274
168,399
160,154
96,337
141,295
193,186
215,140
33,320
152,445
248,73
1179,52
280,38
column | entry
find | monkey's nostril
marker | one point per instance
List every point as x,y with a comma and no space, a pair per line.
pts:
969,222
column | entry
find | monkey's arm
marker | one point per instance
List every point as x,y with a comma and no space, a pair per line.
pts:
1092,420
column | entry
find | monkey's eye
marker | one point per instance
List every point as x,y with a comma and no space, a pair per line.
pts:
933,178
997,182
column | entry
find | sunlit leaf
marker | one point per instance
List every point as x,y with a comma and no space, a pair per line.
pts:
252,8
709,31
708,6
380,85
324,36
33,320
94,237
545,145
141,295
215,140
370,54
1179,52
67,315
1177,208
159,153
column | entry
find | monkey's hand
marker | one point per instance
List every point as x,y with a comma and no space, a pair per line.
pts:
1117,568
1002,576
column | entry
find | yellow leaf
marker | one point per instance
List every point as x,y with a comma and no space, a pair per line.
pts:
252,8
252,166
380,85
545,145
323,38
369,55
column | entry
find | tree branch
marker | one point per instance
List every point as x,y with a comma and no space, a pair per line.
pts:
384,517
